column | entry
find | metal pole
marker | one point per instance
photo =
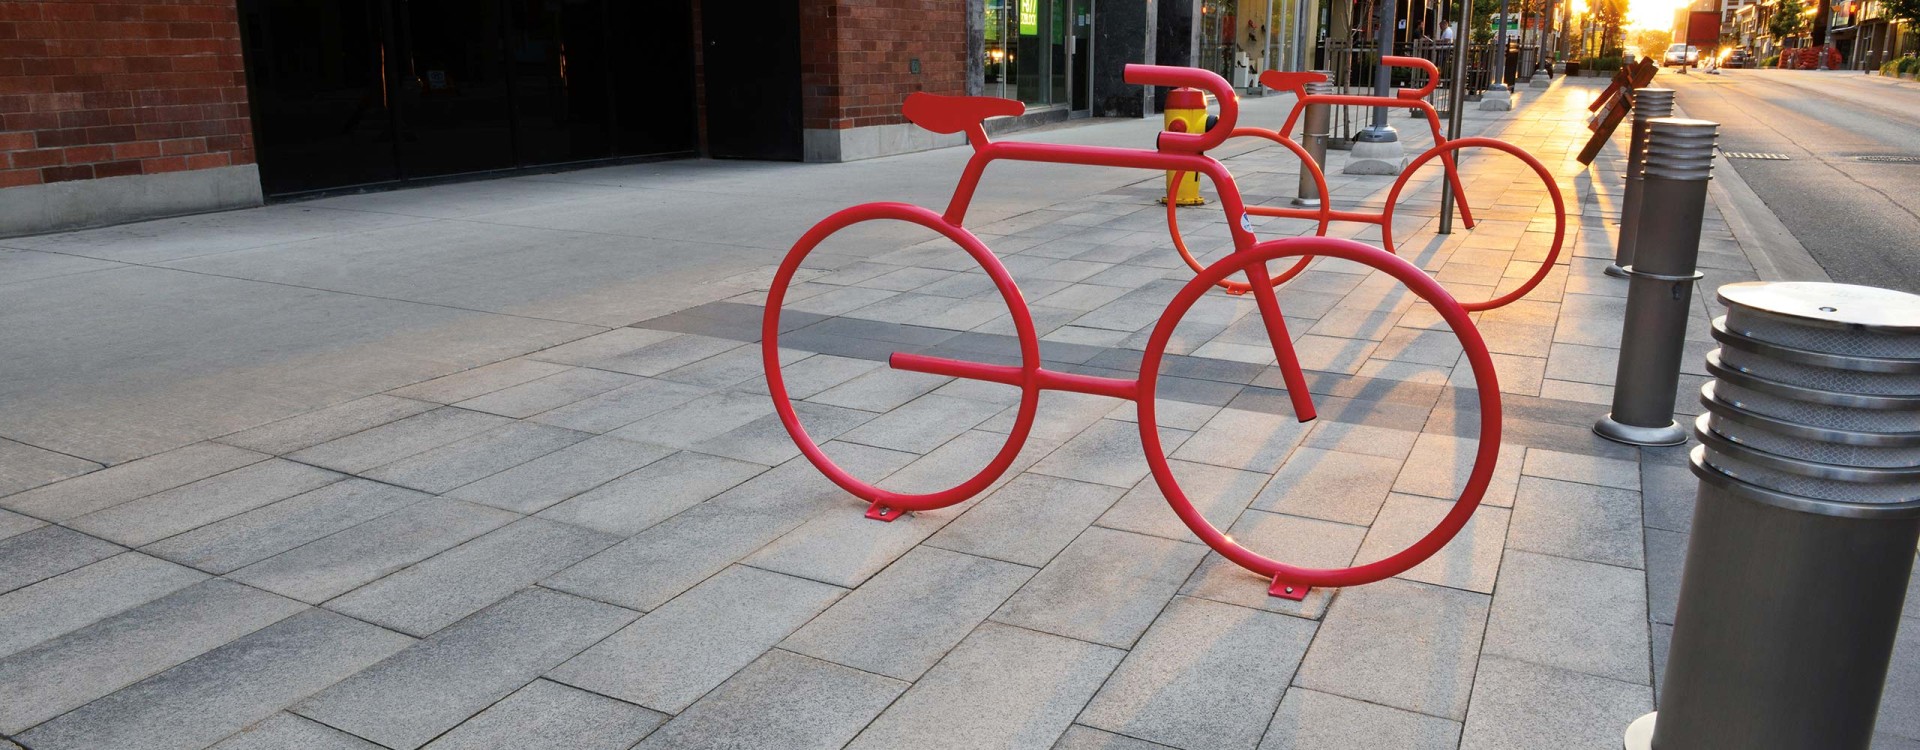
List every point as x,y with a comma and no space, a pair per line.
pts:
1383,75
1456,99
1648,104
1804,525
1498,96
1314,128
1267,60
1678,164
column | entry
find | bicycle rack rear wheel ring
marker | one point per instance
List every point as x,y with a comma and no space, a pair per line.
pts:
1325,212
1422,285
888,504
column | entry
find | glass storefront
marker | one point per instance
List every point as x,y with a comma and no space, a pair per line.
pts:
1037,50
357,92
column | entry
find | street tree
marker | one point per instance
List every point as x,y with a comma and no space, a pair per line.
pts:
1789,18
1907,12
1654,41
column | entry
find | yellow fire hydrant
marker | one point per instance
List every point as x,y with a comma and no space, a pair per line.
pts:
1186,112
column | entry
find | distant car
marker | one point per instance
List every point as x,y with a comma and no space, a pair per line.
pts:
1738,58
1682,55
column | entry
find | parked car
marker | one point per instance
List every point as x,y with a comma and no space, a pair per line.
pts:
1738,58
1682,55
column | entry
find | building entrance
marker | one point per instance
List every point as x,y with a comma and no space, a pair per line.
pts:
359,92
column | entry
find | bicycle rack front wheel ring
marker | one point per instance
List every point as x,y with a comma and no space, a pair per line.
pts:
1546,178
1325,211
888,504
1422,285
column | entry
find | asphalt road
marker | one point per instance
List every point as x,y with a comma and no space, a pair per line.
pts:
1859,220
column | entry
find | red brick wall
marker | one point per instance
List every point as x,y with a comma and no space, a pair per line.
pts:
102,89
854,57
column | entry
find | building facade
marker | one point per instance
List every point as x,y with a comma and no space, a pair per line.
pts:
114,110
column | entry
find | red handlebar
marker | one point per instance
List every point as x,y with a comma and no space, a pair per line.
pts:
1175,76
1433,74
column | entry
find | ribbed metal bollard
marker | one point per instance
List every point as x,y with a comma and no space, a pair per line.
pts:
1678,164
1314,129
1648,104
1804,526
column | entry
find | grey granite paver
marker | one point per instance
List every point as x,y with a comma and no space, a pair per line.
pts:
57,676
1330,485
316,427
1028,520
659,563
811,376
922,424
1219,493
181,509
601,345
1573,467
24,467
224,690
284,731
67,602
1087,738
461,581
843,547
129,481
1440,465
551,392
1109,453
415,695
1302,542
554,477
1360,438
730,369
1666,556
1205,675
1238,439
549,714
653,493
48,551
676,653
703,418
339,563
766,441
1402,644
1001,687
397,440
1521,706
1309,720
1581,521
1571,614
781,700
14,524
1106,587
668,354
1471,561
481,381
224,546
447,467
1667,495
903,620
879,390
621,406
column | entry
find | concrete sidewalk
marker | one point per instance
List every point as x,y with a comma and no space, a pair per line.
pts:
491,465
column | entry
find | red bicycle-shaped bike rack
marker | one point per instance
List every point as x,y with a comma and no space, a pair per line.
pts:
1183,152
1443,149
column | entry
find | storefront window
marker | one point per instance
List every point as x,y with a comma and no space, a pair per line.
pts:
1026,53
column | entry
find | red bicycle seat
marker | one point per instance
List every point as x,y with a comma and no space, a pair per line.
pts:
952,114
1294,81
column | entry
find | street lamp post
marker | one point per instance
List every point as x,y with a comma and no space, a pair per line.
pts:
1498,97
1376,149
1543,68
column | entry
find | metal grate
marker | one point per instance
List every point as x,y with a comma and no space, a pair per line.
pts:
1889,159
1755,155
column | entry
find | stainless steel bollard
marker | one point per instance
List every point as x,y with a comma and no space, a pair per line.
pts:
1805,523
1314,128
1678,163
1648,104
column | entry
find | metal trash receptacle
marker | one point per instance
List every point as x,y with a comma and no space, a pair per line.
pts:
1805,524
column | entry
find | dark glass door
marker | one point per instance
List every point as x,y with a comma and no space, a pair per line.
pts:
453,92
320,97
562,96
1080,54
653,77
752,59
